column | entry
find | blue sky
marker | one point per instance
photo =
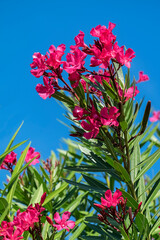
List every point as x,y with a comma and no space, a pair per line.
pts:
32,26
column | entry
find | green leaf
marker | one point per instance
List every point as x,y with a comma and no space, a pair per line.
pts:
63,98
3,204
109,144
96,85
135,159
86,187
152,194
123,173
155,225
57,191
13,138
110,92
18,166
149,162
74,204
145,117
124,234
88,168
151,182
131,202
119,73
12,180
143,226
37,195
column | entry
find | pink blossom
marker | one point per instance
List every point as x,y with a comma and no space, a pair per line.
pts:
79,40
75,61
74,78
142,77
8,232
55,55
110,200
105,35
8,162
63,223
92,127
109,116
125,59
31,154
47,89
79,112
131,92
39,64
155,117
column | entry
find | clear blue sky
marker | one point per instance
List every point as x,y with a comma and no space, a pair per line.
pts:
31,26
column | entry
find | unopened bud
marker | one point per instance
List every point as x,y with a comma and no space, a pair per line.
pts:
130,214
43,198
49,220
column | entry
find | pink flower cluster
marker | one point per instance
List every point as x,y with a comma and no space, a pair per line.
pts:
9,161
92,120
23,221
114,207
110,201
104,51
63,223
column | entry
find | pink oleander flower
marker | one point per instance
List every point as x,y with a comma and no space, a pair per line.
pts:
142,77
131,92
155,117
55,56
125,58
75,61
8,232
31,154
79,112
47,89
62,223
110,201
92,127
39,64
104,34
9,160
74,78
109,116
79,40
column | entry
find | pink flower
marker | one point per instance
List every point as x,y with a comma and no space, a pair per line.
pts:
8,162
110,200
47,90
131,92
63,223
125,59
31,154
39,64
74,78
79,112
92,127
109,116
155,117
142,77
79,40
8,232
75,61
55,55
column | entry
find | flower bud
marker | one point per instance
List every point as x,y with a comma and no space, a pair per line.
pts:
49,220
43,198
